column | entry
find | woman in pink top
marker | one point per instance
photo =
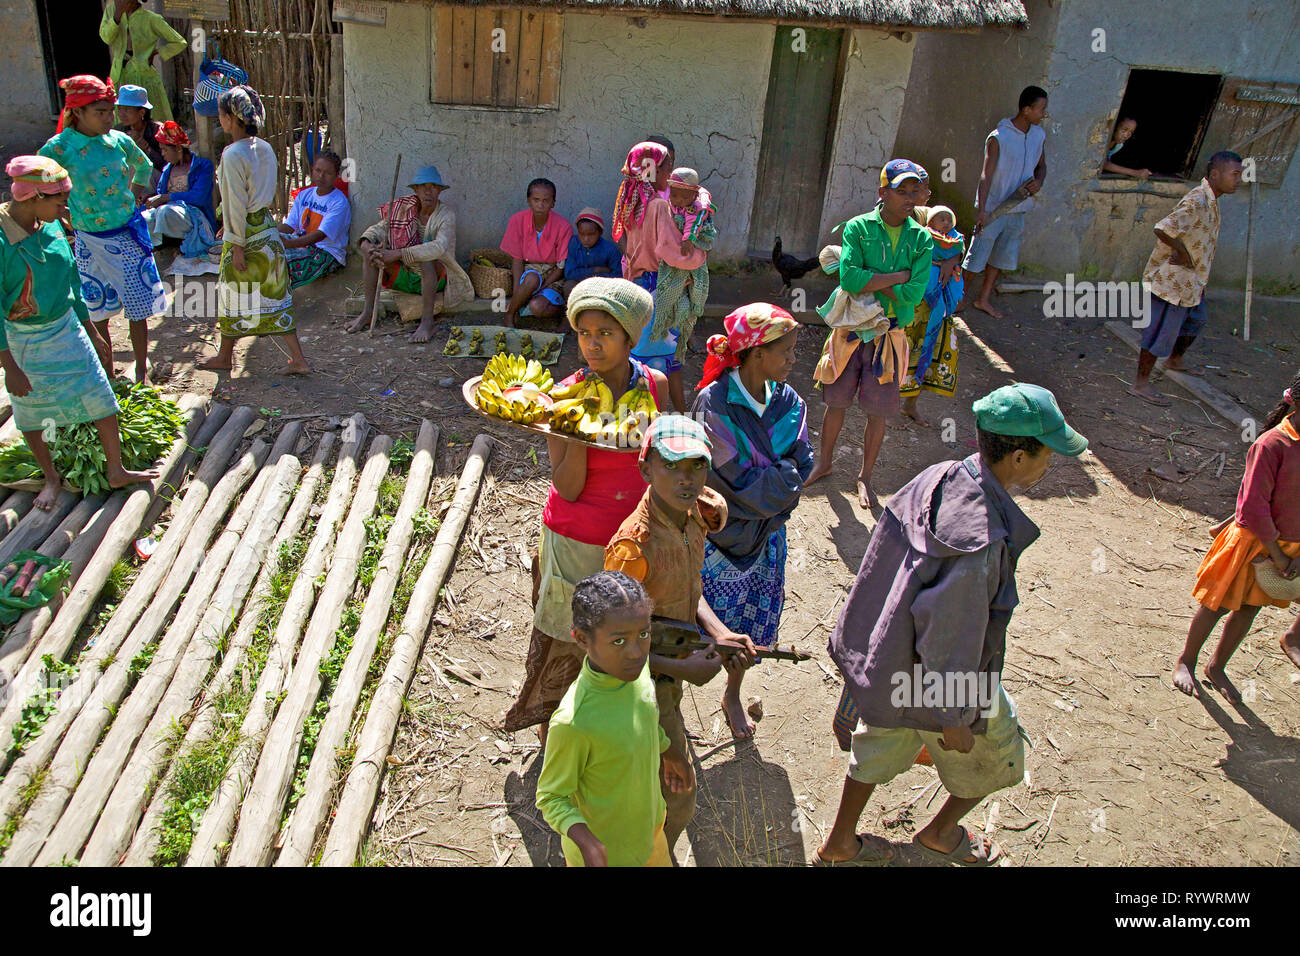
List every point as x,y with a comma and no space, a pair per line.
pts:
592,491
1266,527
537,242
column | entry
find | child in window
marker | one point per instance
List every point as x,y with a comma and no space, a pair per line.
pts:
1124,131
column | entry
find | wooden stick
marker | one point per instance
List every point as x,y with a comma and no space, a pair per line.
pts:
379,282
145,845
15,506
164,703
84,593
352,816
1250,262
218,820
85,708
259,820
169,496
311,808
36,525
66,837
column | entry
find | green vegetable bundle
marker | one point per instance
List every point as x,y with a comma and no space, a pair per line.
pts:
148,425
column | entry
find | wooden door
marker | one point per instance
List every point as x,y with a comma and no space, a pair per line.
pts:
798,129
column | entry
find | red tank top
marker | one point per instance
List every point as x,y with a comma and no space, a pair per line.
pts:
612,491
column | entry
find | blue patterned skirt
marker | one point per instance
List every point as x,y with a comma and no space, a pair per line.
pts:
749,600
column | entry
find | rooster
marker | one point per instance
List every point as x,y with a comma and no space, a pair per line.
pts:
791,267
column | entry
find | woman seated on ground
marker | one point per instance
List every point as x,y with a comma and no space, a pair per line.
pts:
53,356
537,242
182,208
415,244
315,233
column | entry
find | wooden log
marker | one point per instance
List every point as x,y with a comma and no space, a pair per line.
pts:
145,844
36,526
259,819
159,706
29,629
83,594
61,810
15,506
309,813
85,708
218,821
357,801
169,496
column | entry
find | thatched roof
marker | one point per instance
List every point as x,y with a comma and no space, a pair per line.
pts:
915,14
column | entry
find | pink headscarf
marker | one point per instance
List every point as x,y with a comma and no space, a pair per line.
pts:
638,186
748,327
36,175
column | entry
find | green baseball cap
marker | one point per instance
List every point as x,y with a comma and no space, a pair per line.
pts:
1029,411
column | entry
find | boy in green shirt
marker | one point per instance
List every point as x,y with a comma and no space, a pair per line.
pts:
600,781
885,252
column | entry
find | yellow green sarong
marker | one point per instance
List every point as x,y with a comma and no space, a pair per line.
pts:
257,300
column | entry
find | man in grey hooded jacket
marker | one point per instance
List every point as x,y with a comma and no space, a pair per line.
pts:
922,637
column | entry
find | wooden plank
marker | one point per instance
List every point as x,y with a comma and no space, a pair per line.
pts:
462,38
1235,123
505,74
444,56
548,92
530,58
485,21
1199,388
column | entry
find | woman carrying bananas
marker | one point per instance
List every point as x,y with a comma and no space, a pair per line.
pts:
592,489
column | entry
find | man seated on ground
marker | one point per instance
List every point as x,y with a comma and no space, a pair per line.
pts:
315,233
414,243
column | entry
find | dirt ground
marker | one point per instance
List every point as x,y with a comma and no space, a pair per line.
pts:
1123,770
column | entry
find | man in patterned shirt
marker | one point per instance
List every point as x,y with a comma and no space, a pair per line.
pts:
1177,272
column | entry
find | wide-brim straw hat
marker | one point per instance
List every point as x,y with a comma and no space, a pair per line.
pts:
1273,584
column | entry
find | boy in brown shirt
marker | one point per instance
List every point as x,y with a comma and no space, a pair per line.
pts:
661,544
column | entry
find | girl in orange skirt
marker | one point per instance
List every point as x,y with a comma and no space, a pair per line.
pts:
1267,522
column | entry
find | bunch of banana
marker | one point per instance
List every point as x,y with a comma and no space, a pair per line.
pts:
549,351
636,410
504,372
476,342
502,345
453,341
586,408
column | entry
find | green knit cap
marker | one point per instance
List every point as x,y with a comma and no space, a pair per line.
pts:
630,305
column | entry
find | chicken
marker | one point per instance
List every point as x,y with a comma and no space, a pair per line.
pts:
791,267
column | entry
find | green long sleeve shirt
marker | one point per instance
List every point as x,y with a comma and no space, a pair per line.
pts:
602,766
867,252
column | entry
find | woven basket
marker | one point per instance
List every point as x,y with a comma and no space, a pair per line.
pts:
1273,584
488,279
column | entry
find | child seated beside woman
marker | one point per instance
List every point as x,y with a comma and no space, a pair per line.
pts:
537,242
590,253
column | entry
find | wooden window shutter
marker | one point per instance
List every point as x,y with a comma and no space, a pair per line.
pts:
1259,120
505,58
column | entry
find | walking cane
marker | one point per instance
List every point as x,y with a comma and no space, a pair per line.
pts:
379,283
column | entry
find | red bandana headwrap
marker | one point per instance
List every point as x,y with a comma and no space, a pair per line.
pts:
171,134
82,90
748,327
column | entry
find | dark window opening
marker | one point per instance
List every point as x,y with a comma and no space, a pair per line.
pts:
1172,111
71,43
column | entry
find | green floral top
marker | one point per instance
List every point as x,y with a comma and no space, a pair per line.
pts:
39,282
102,168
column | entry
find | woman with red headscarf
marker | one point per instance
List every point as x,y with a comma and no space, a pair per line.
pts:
758,425
182,209
109,173
48,345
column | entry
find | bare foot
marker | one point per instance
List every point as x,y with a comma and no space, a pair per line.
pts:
424,332
121,478
1291,647
217,364
296,368
1185,680
1185,369
1148,394
985,306
866,497
49,494
741,727
1219,681
362,321
142,374
820,471
911,412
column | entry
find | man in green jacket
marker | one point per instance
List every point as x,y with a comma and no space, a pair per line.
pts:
885,252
